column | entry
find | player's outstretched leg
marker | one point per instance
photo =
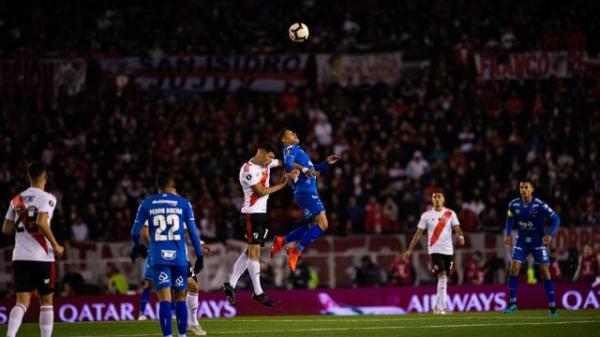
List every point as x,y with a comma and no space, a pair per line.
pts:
513,282
295,235
254,272
239,267
313,233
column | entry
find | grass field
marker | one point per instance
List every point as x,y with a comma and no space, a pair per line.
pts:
524,323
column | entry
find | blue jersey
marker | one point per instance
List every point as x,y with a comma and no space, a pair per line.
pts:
531,221
168,215
305,184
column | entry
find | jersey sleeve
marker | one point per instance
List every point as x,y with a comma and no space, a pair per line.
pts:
250,178
288,158
275,163
140,219
454,219
422,224
190,222
10,213
509,219
47,205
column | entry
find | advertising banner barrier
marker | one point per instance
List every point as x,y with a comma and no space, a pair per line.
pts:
358,301
358,69
268,73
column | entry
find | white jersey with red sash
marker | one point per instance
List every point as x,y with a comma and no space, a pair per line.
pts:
30,243
439,230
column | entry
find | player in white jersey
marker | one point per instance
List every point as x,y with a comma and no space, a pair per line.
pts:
439,222
254,178
29,215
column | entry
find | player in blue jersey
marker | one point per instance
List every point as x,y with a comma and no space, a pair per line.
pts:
305,193
193,288
168,214
530,215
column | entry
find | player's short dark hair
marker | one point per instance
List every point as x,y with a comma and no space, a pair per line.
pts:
267,147
527,180
35,169
164,178
440,191
280,135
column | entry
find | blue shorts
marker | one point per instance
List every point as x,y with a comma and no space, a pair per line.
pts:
540,254
147,271
311,205
169,276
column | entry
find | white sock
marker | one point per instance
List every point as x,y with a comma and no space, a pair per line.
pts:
254,271
442,287
192,307
238,269
46,320
15,319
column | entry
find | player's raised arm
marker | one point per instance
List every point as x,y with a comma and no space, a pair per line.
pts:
322,167
261,190
190,221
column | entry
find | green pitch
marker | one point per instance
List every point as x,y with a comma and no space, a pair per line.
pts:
524,323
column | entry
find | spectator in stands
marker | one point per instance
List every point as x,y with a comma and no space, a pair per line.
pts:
368,274
300,278
79,230
417,166
117,282
588,267
401,272
475,270
375,221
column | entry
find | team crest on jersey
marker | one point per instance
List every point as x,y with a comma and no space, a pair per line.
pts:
179,281
163,277
168,254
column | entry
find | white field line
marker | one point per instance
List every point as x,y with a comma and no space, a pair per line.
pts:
305,330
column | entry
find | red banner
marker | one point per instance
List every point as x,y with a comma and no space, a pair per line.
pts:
370,301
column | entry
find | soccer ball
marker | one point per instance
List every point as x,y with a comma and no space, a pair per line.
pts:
298,32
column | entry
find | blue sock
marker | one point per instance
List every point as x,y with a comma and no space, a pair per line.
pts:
513,282
144,300
182,316
164,315
550,293
311,235
296,234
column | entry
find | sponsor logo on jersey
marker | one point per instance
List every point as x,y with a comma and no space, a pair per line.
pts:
163,277
526,224
168,254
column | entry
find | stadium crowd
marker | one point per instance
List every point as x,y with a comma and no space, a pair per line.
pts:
116,28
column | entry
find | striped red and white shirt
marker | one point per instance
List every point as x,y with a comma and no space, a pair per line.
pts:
439,230
250,175
30,243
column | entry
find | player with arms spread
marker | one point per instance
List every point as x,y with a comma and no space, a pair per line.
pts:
439,223
168,214
530,215
305,193
254,178
29,215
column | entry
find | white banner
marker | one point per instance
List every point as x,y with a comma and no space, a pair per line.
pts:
268,73
530,65
358,69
